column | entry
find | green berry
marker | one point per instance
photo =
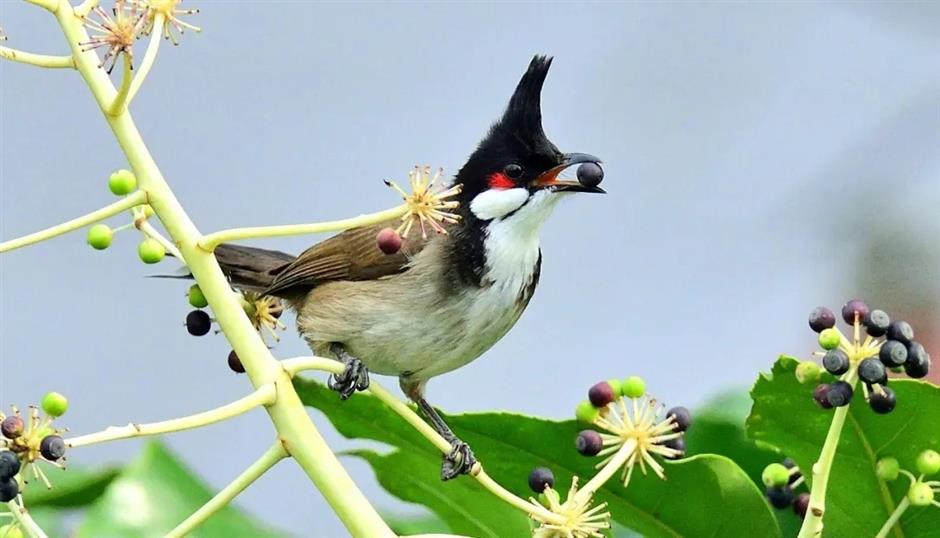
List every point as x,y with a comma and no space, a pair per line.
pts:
10,531
617,386
54,404
887,469
807,372
633,387
196,298
100,236
928,462
122,182
150,251
775,475
586,412
829,338
920,494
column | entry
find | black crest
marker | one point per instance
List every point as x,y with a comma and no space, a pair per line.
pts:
523,116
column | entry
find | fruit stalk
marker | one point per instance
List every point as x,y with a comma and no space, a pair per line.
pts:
895,516
38,60
26,522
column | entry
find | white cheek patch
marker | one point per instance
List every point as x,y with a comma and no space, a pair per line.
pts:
496,203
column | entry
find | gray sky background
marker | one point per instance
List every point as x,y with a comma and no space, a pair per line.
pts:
743,145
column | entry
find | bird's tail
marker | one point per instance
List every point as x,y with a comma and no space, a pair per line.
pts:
246,267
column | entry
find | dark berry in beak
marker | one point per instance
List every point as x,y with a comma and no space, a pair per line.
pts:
590,174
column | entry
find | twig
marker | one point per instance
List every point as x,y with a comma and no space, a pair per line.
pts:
25,521
119,105
39,60
51,5
155,234
82,10
152,47
893,519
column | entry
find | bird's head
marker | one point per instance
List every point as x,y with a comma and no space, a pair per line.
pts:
516,165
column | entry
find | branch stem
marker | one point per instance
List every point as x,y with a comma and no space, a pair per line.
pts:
152,48
26,522
264,395
50,5
893,519
82,10
119,104
137,198
273,455
623,454
38,60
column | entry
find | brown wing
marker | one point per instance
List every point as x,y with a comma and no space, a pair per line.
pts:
351,255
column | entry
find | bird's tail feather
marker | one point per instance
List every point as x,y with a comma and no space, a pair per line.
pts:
246,267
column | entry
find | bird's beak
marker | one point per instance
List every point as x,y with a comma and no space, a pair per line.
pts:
549,178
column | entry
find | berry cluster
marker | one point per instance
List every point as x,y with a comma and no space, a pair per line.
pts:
24,442
922,492
782,480
868,360
100,236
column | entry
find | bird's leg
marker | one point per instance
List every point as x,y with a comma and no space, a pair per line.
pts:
460,460
354,377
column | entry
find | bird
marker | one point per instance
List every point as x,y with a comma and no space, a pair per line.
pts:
444,299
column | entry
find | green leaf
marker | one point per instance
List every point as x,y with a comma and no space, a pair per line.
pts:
705,495
155,493
407,525
785,416
72,488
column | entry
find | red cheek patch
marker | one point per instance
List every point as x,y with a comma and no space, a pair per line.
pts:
500,181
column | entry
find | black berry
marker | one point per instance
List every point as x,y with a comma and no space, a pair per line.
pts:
820,394
541,478
801,504
790,464
780,497
677,444
682,416
893,353
52,447
9,464
9,489
872,371
855,306
12,427
821,318
839,394
882,402
589,443
877,323
836,362
198,323
590,174
235,363
918,361
901,331
601,394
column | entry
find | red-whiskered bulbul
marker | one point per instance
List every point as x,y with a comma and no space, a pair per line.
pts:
438,303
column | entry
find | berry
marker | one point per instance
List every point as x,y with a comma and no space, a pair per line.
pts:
150,251
918,361
775,475
920,494
676,444
601,394
633,387
100,236
821,318
122,182
388,240
682,416
877,323
821,395
839,394
541,478
9,489
617,386
590,174
12,427
887,469
589,443
901,331
235,363
801,504
198,322
54,404
882,402
807,372
9,465
872,371
892,353
780,497
928,462
836,362
11,531
196,298
586,412
829,338
853,307
52,447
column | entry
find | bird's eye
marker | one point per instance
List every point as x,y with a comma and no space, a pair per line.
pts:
513,170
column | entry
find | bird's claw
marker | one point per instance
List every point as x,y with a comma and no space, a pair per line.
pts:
459,461
354,377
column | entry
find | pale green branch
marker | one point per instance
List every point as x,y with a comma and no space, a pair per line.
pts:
82,10
152,47
119,104
134,199
273,455
893,519
39,60
26,522
51,5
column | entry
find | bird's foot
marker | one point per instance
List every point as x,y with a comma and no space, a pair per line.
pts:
459,461
354,377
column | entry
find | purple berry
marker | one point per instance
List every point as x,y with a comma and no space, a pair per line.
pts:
682,417
893,353
836,362
780,497
918,361
52,447
801,504
839,394
198,323
541,478
9,489
882,402
590,174
877,323
821,318
901,331
12,427
676,444
853,307
872,371
9,465
235,363
589,442
820,394
601,394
